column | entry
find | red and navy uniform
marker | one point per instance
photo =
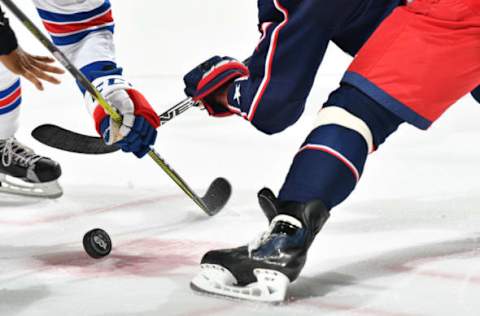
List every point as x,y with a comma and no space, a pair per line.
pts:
295,36
422,59
282,69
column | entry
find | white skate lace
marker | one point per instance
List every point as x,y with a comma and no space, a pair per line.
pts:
260,239
13,150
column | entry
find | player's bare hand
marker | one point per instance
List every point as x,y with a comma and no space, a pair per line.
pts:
33,68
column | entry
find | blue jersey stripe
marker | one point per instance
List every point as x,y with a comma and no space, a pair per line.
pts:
11,107
385,99
8,91
77,37
76,17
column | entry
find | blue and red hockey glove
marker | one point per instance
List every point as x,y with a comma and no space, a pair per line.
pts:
209,82
138,129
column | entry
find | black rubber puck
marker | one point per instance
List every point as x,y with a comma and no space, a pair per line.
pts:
97,243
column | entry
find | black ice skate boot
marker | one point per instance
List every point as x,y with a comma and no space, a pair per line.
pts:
262,270
23,172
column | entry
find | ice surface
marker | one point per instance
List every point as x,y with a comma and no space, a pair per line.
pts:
406,243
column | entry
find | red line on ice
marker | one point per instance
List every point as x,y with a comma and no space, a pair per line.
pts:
147,257
438,274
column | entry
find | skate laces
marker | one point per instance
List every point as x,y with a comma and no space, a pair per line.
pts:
261,238
13,150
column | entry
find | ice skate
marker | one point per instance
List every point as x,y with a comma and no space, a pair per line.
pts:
23,172
262,270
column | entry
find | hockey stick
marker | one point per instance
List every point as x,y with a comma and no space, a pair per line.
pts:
67,140
219,191
63,139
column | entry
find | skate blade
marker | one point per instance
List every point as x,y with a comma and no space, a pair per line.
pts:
48,190
215,280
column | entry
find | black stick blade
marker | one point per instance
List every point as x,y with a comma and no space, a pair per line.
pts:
63,139
217,195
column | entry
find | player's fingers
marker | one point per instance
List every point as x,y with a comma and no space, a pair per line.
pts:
26,65
33,79
45,59
48,68
44,76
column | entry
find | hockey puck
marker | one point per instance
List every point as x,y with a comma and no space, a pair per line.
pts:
97,243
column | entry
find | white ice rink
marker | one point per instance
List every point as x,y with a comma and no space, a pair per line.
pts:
406,243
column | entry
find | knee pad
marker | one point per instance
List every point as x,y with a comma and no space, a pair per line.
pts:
360,113
334,115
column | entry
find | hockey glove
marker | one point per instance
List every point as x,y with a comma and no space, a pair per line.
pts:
138,129
209,82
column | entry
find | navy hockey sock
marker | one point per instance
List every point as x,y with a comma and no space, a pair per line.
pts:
327,167
331,160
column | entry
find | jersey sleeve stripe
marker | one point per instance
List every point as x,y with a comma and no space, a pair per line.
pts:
68,29
75,17
74,27
77,37
12,106
269,62
11,89
11,98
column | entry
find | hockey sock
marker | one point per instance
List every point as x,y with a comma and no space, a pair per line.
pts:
10,100
331,160
327,167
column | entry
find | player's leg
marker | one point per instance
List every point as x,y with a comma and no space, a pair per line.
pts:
356,120
38,174
84,29
10,100
330,162
324,172
387,73
382,94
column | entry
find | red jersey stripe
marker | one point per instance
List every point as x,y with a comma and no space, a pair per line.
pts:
58,28
11,98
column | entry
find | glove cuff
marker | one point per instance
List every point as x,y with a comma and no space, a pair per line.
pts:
105,85
99,115
143,108
218,77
